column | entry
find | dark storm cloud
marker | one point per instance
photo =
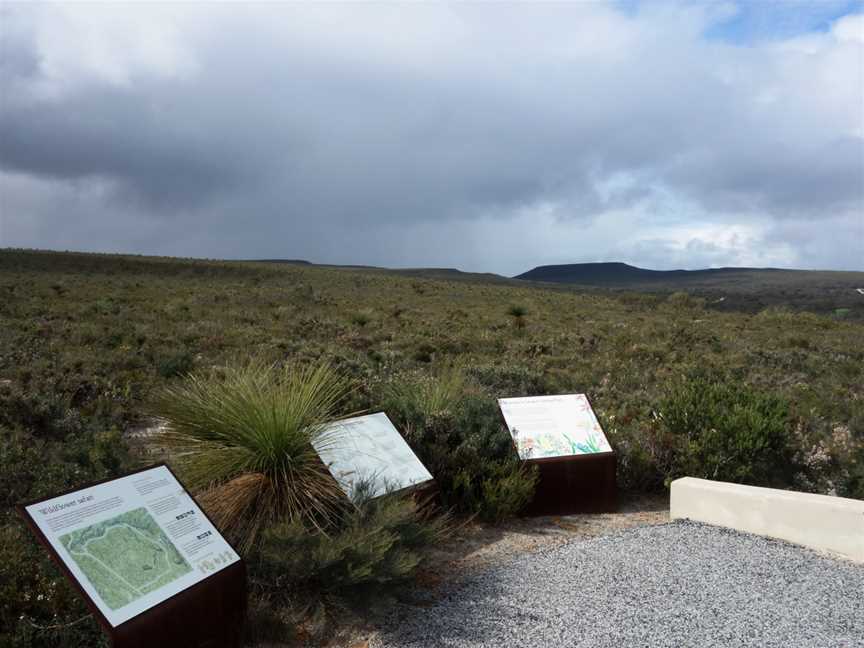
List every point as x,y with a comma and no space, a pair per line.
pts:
99,133
774,176
344,133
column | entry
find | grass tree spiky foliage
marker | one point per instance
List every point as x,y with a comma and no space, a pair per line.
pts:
242,437
518,314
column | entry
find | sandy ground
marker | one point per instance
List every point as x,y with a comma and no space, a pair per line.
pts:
474,547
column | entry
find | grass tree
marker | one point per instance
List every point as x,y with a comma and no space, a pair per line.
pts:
242,438
518,314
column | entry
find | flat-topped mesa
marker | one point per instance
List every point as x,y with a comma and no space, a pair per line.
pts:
618,272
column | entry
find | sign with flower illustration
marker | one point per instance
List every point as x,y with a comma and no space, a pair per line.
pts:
553,426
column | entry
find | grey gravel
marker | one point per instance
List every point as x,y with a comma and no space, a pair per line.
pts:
679,584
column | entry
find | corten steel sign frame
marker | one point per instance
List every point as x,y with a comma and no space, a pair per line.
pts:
579,483
575,484
209,614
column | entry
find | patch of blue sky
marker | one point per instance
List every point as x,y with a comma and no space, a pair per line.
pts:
629,7
749,21
761,20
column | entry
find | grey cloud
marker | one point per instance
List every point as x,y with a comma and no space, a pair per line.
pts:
280,139
19,58
835,242
776,177
116,136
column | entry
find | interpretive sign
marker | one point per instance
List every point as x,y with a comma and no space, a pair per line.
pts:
562,437
132,543
553,426
369,448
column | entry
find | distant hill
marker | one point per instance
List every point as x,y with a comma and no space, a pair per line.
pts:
622,273
826,292
839,294
742,289
289,261
452,274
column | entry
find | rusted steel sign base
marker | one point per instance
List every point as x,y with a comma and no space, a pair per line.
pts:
210,614
575,484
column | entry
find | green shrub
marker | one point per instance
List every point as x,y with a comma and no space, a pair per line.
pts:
49,413
242,437
726,430
374,549
509,380
38,606
177,364
52,405
428,396
507,487
375,543
460,437
424,352
852,483
646,457
518,314
683,299
361,318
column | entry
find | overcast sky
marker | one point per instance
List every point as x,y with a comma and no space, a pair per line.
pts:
487,137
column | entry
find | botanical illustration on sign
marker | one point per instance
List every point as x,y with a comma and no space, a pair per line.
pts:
554,426
125,557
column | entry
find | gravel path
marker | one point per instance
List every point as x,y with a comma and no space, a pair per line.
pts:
680,584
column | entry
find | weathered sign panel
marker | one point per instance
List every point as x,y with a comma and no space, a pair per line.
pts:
369,448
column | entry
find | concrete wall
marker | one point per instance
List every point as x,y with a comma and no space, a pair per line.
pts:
832,524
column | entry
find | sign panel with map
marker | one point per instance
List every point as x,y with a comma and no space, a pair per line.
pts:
132,542
553,426
369,448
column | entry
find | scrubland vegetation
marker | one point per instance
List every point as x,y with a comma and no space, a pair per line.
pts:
750,290
92,347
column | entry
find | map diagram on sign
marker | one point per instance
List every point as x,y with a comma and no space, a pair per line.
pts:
125,557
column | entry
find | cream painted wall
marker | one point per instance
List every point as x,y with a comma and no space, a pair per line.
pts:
831,524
